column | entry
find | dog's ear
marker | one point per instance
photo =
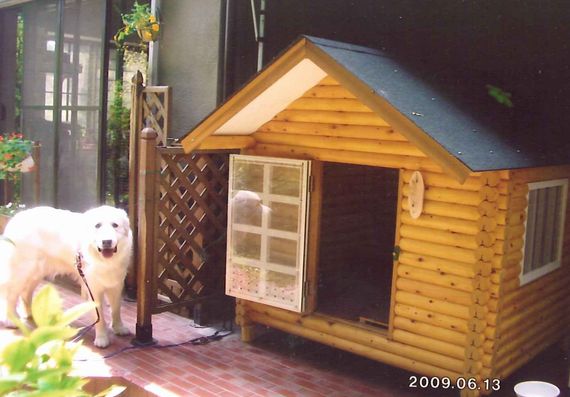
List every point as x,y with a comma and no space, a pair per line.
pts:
126,219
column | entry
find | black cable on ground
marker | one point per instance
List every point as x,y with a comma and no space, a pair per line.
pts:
201,340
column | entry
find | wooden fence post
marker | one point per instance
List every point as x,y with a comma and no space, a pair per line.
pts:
136,125
146,294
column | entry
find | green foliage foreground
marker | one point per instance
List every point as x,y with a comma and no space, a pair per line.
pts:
40,362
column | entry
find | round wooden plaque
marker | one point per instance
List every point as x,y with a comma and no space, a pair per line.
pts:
416,196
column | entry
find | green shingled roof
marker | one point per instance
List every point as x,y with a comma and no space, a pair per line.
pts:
460,115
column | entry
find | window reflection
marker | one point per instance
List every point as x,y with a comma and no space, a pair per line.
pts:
62,97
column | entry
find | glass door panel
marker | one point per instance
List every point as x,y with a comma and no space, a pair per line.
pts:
80,79
267,230
62,87
39,89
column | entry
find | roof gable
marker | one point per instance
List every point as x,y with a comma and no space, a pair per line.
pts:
274,99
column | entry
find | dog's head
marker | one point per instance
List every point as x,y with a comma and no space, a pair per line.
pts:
109,230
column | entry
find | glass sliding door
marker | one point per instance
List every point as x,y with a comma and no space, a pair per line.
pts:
63,81
80,80
39,90
8,69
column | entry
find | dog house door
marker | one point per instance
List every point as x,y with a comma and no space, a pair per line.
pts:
267,222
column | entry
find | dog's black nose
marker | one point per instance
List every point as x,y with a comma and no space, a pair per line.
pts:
107,243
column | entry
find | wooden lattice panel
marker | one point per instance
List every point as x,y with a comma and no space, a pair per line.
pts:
192,215
155,108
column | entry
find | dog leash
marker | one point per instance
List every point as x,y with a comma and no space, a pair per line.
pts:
79,266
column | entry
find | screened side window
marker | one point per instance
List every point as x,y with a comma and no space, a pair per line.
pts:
267,222
544,228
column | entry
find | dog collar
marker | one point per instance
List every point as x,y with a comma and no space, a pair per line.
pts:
79,263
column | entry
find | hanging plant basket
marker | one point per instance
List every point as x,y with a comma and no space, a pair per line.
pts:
141,21
147,34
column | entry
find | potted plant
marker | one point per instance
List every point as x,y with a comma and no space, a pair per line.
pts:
40,362
15,159
140,21
15,155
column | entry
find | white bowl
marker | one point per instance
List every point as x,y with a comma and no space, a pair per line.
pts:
536,388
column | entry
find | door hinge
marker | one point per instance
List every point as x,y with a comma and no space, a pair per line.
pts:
306,287
311,183
396,253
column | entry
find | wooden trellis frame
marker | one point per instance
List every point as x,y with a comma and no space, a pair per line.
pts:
191,208
150,107
182,224
178,212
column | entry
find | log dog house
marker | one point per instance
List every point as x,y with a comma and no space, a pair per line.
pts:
372,213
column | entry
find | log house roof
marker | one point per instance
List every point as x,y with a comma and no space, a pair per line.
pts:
453,123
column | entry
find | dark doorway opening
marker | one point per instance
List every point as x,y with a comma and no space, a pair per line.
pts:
357,240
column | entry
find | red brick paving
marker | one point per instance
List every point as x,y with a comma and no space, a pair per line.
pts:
276,365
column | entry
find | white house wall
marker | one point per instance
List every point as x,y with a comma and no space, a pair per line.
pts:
188,59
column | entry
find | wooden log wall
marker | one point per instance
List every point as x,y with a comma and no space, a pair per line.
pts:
525,319
459,261
443,276
329,124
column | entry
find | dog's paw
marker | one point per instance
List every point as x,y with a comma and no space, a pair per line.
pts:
121,330
101,341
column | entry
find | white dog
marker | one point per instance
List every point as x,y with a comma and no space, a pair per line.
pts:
47,241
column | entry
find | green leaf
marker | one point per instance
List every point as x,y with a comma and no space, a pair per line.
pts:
62,355
20,324
501,96
50,382
34,375
47,306
45,334
11,381
112,391
74,382
75,312
17,354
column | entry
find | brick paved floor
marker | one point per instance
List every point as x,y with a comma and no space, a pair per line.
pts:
275,365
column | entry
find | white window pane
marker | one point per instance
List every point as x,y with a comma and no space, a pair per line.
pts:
559,221
246,245
247,176
245,279
548,254
282,251
285,181
281,287
544,228
530,233
539,229
284,217
247,208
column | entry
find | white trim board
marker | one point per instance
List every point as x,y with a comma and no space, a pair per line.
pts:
274,99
